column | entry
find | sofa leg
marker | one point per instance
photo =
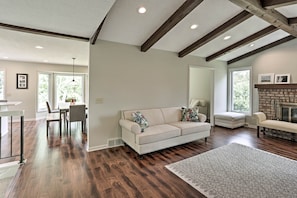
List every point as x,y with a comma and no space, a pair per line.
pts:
205,139
140,157
258,131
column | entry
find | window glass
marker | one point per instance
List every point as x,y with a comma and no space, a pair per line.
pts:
43,90
240,90
66,89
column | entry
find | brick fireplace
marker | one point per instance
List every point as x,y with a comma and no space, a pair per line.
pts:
276,99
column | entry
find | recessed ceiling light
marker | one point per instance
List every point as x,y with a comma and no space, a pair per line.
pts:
45,61
142,10
252,45
38,47
194,26
227,37
5,57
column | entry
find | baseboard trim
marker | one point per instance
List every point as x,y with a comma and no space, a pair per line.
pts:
97,148
111,143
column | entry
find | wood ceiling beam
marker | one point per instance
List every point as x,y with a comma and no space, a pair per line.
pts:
175,18
292,21
242,16
278,42
270,4
271,16
96,34
243,42
42,32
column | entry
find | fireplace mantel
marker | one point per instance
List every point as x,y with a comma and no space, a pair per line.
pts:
276,86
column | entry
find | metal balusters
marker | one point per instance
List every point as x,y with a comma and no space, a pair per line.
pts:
12,114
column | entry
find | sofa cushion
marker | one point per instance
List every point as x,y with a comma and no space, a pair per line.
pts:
279,125
190,114
140,119
191,127
229,116
171,114
157,133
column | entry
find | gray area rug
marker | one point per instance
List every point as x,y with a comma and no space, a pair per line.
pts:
236,170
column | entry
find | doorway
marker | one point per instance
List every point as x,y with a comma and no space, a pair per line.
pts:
201,85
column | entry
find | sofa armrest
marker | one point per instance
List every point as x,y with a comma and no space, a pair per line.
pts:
131,126
202,117
260,117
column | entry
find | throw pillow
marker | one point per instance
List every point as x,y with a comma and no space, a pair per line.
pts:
140,119
190,114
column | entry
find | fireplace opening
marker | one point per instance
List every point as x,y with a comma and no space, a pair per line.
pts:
289,112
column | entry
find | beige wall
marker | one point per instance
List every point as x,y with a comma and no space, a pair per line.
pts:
200,83
123,77
29,96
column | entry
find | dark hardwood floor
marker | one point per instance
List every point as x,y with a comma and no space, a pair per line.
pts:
61,167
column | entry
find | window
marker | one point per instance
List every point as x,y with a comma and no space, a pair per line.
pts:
43,90
240,90
64,88
2,85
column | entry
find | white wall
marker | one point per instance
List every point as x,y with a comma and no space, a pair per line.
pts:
200,82
29,96
123,77
220,90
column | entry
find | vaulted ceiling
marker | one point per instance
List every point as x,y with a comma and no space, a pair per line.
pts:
64,28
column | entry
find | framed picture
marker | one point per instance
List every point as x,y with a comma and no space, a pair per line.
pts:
266,78
22,81
282,78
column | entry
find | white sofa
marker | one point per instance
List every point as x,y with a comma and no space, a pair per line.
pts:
165,129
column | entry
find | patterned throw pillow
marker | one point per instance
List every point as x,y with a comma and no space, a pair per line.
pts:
140,119
190,114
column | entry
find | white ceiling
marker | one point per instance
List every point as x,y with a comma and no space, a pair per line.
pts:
124,25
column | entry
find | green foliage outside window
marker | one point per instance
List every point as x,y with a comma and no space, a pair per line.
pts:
43,90
67,89
241,90
62,89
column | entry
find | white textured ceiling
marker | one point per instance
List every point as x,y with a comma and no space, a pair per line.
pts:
124,25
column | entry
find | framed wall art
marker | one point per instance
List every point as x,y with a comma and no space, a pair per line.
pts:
282,78
22,81
266,78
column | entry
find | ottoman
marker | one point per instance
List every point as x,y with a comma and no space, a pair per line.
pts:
229,119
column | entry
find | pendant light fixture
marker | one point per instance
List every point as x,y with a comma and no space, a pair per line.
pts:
73,70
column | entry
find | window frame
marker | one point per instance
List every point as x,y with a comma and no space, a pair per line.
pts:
4,83
50,91
230,89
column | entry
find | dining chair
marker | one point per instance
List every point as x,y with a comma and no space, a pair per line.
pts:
76,113
49,108
52,116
